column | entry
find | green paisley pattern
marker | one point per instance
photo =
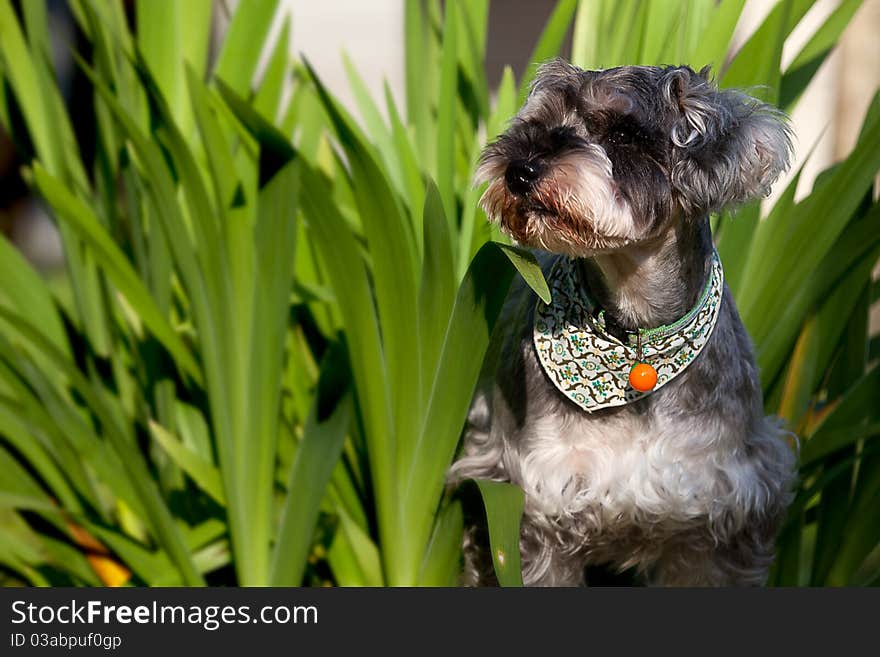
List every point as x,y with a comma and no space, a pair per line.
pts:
591,367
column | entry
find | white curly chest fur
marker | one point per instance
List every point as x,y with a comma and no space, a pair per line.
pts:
628,470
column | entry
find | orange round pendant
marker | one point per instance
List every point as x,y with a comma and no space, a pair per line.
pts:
643,377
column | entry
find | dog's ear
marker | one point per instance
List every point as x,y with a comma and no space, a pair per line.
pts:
728,147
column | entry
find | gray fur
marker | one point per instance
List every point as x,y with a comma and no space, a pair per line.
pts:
689,484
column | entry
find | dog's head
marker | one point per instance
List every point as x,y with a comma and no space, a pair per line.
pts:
598,160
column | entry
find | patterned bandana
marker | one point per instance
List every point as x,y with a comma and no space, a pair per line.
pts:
591,367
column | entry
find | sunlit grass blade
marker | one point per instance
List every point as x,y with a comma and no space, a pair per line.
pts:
436,292
661,18
131,459
827,212
323,436
237,61
623,46
504,506
347,274
860,538
473,18
711,47
422,72
758,61
587,34
412,175
477,306
832,434
394,256
24,290
170,36
19,433
800,72
527,266
80,218
447,106
375,125
354,557
270,92
442,564
202,472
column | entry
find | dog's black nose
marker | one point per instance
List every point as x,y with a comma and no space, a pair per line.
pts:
521,176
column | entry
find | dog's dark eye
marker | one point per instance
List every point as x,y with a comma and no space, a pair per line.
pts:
624,133
619,136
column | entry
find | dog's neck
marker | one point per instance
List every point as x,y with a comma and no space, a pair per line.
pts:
655,282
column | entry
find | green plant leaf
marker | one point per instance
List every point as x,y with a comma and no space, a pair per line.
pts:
237,61
27,293
447,105
267,100
806,64
323,437
353,556
757,64
442,564
840,428
170,36
813,226
504,507
859,538
375,124
661,19
206,476
527,266
477,307
437,287
712,45
144,486
81,219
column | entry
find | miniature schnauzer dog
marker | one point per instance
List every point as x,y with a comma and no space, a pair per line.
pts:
629,408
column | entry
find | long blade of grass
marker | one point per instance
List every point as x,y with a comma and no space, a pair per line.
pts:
267,100
447,106
323,436
131,459
170,36
660,21
347,274
115,264
758,61
422,71
25,291
712,45
504,506
436,296
806,63
477,306
826,213
202,472
861,536
833,432
238,58
443,556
